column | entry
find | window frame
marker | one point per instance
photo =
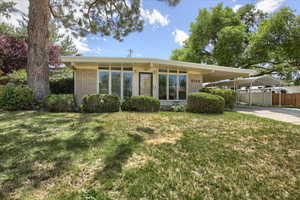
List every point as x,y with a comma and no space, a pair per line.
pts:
110,70
177,73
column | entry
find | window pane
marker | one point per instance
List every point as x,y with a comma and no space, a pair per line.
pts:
163,86
116,83
127,84
182,87
103,82
172,87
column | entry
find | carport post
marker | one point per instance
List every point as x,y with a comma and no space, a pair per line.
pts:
250,94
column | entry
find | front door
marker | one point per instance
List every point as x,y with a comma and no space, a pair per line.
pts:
145,84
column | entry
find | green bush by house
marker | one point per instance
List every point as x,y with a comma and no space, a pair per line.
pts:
60,79
228,95
141,104
201,102
62,86
100,103
59,103
126,105
16,98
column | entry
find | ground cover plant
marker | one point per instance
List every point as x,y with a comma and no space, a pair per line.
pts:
164,155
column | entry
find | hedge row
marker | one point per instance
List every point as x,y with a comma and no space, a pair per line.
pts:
100,103
141,104
201,102
21,98
61,80
16,98
59,103
228,95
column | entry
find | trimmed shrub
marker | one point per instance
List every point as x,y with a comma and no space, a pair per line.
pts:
62,86
228,95
16,98
201,102
126,105
143,104
59,103
100,103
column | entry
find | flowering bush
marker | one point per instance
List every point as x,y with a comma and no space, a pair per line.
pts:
13,54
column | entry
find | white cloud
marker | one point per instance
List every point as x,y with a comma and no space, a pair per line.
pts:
237,7
269,5
81,44
22,6
97,51
180,36
154,17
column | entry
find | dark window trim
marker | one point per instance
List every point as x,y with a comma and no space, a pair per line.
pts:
151,82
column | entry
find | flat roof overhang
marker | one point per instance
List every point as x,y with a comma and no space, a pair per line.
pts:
210,72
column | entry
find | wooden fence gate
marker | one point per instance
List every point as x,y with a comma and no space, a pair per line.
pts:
286,99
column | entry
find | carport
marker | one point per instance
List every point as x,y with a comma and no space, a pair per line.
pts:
262,96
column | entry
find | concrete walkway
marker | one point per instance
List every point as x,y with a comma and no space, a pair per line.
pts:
291,115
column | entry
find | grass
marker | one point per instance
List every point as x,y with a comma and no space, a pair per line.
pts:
147,156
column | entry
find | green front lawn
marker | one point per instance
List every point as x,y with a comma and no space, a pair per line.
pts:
147,156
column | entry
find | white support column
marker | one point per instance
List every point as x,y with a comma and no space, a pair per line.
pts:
234,88
250,99
168,84
121,87
109,79
177,85
97,80
187,85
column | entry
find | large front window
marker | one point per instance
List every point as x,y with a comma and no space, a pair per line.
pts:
163,86
116,81
127,84
103,82
172,85
182,87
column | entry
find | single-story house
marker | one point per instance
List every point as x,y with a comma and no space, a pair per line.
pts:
168,80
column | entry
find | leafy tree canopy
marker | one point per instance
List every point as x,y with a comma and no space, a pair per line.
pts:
115,18
247,38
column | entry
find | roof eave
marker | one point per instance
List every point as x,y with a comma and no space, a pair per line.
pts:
81,59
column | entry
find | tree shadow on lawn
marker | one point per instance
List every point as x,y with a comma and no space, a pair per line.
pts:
31,152
115,161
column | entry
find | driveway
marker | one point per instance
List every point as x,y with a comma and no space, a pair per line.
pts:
291,115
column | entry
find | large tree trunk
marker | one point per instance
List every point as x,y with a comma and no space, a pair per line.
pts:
37,65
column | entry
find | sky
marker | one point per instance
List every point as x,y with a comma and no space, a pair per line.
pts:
166,28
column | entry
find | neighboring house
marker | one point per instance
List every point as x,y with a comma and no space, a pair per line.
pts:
170,81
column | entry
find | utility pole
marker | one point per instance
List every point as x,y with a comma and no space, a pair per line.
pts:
130,54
